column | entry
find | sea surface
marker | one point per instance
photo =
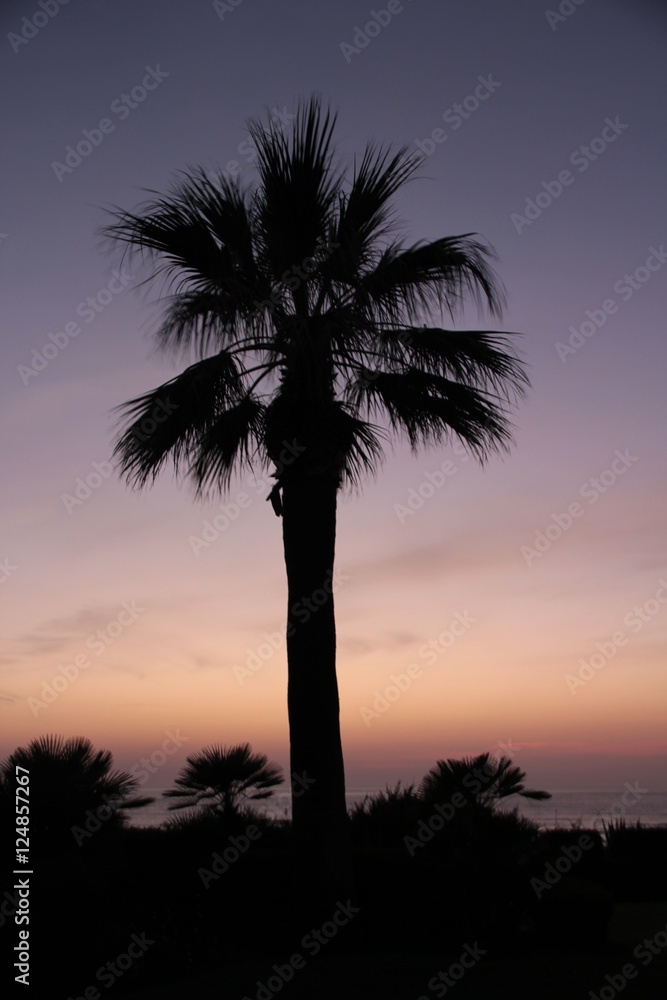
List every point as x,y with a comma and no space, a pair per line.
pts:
565,809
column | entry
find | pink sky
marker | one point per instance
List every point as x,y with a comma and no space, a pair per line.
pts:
590,434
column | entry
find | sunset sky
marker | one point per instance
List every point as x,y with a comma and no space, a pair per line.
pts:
544,133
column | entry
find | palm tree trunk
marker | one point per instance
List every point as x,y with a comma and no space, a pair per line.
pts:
319,812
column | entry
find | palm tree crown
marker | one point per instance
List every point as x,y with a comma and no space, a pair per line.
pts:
302,310
483,780
70,781
218,778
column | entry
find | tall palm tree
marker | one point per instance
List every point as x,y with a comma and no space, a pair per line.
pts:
306,318
219,778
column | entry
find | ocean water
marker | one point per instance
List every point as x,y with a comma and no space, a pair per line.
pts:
565,809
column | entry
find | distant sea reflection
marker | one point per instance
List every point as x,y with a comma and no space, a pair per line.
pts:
565,809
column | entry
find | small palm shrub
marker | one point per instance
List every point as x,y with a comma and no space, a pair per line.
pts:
222,780
74,793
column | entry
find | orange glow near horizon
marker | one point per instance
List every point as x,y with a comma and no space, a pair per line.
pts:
464,672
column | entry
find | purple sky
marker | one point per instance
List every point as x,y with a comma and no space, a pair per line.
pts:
559,162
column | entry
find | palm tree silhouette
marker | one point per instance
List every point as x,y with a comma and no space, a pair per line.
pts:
219,778
483,781
71,784
305,317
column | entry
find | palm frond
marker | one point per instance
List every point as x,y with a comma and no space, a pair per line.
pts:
298,186
407,282
167,232
481,358
70,782
430,409
169,421
222,776
200,236
362,452
364,213
483,779
230,442
199,320
300,275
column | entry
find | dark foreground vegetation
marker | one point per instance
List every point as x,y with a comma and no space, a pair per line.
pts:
453,896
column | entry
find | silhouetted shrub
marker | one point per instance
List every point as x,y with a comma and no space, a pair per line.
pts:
74,793
220,779
384,819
